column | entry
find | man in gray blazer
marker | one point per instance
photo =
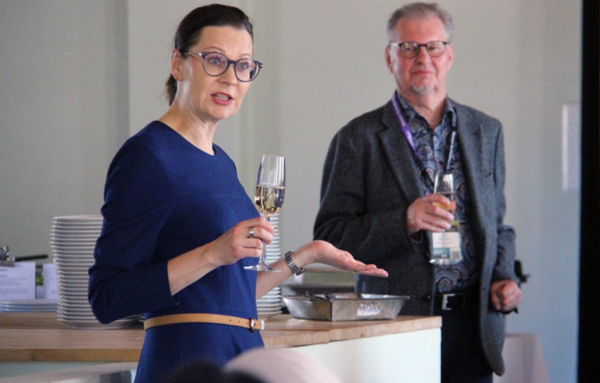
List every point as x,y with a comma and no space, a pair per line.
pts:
377,200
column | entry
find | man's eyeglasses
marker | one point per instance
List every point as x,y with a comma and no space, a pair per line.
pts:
410,49
215,64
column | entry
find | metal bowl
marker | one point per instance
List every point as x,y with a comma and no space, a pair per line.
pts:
344,306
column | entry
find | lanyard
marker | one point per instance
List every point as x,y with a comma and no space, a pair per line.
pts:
403,122
409,137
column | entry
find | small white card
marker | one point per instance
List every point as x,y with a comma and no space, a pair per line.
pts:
17,282
50,281
447,240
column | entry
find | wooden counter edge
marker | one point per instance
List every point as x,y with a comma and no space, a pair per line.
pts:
55,344
70,355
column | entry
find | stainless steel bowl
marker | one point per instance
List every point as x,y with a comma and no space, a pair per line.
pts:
344,306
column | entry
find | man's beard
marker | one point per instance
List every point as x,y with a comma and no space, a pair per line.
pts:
423,89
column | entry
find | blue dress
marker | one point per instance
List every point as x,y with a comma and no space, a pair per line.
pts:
164,197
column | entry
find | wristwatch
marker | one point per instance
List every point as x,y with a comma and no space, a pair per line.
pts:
290,262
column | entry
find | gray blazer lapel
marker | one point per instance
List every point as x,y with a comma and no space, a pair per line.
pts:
399,155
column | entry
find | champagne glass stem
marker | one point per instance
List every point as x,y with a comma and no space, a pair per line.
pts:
263,258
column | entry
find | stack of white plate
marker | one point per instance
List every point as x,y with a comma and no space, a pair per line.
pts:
270,303
28,305
73,239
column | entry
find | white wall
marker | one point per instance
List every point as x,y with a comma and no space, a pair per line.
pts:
77,78
63,110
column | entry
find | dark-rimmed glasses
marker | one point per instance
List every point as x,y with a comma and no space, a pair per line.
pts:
409,49
215,64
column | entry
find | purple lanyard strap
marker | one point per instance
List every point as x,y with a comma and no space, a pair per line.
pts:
408,133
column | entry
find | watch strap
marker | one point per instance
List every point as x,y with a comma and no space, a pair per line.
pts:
290,262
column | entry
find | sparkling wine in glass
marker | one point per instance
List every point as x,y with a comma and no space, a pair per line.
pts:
446,246
269,195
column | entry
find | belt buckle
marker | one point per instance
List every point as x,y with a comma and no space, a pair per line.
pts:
256,325
461,304
445,301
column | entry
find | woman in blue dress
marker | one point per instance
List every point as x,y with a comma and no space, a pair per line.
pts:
178,226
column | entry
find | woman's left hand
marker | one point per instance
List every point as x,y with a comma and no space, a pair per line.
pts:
326,253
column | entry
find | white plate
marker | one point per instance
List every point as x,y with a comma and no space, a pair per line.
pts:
78,242
72,277
74,264
70,258
82,307
73,259
78,218
271,296
75,229
265,303
272,293
75,303
72,283
28,310
69,278
68,289
74,297
75,306
70,249
67,284
72,246
73,251
275,310
83,318
75,313
80,274
74,300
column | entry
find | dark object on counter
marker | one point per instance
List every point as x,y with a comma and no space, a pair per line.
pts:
30,257
344,306
7,261
5,257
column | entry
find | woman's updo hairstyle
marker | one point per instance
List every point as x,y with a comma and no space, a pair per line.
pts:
190,28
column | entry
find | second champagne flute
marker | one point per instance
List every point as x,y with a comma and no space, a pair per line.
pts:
446,246
270,191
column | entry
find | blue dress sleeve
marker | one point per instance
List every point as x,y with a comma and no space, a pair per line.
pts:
126,278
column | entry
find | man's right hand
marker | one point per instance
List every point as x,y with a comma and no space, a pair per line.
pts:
424,215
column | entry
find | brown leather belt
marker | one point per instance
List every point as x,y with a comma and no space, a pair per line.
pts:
251,324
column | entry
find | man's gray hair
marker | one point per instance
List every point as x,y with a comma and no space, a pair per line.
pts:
420,11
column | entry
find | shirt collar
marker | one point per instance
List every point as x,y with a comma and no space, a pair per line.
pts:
410,113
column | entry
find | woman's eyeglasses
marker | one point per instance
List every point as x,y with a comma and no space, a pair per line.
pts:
215,64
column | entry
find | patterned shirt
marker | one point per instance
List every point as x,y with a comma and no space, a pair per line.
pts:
431,148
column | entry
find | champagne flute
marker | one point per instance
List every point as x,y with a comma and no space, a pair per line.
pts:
444,185
446,246
270,190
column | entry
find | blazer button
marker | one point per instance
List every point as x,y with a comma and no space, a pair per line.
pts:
427,298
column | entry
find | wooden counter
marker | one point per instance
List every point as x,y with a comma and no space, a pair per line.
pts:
39,337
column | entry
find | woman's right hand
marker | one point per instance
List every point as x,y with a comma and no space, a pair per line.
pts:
238,243
229,248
